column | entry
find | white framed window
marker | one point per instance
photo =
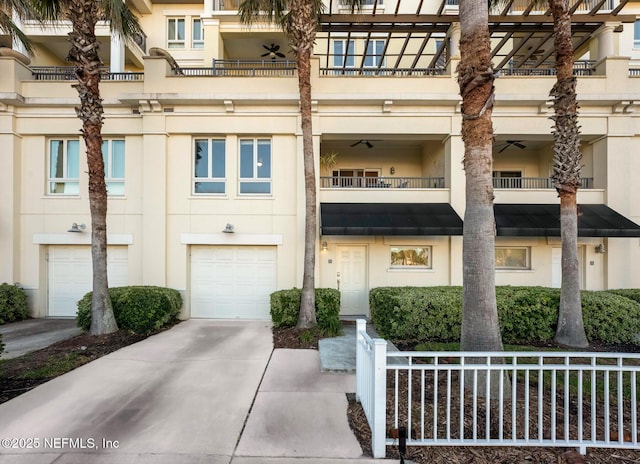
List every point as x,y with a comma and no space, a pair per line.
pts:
175,33
373,55
410,257
255,167
197,33
513,258
113,157
64,167
636,34
209,167
344,54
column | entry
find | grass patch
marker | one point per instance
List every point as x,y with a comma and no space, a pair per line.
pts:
55,366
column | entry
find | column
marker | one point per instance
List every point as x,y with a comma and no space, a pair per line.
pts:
454,40
606,44
10,176
455,181
117,54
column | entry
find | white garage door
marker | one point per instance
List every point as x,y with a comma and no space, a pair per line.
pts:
70,275
232,281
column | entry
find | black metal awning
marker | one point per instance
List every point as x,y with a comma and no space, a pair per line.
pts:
543,220
389,219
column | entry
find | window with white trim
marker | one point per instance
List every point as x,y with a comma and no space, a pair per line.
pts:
344,54
64,167
113,157
255,166
175,33
636,34
373,56
197,34
411,257
513,258
209,167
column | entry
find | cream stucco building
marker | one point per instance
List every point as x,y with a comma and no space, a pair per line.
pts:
204,162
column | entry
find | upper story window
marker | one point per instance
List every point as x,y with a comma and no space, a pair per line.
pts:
411,257
64,167
255,166
197,34
513,258
636,34
373,56
113,156
209,166
175,33
344,54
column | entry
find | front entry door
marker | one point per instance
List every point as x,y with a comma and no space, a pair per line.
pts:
352,280
556,267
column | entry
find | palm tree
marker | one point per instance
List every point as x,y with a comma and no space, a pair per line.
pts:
22,10
566,176
299,21
83,15
480,326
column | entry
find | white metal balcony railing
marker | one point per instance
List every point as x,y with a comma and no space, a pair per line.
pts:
534,182
580,68
338,71
557,399
381,182
633,72
67,73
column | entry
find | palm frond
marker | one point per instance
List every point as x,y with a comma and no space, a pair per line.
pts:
272,11
13,31
123,22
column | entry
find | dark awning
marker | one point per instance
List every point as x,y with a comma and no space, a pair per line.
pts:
389,219
524,220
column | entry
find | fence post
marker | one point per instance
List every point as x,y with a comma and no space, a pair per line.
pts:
361,327
378,427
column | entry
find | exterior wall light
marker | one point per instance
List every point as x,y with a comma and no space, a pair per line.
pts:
75,227
600,248
228,229
324,246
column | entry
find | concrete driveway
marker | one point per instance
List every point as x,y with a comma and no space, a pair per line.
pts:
181,396
34,334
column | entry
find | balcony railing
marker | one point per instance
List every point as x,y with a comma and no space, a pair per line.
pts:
333,71
634,72
381,182
242,68
533,182
580,68
67,73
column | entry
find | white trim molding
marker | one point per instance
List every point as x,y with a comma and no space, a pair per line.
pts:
82,238
230,239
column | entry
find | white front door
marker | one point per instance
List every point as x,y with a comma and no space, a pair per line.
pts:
232,281
352,280
556,266
70,275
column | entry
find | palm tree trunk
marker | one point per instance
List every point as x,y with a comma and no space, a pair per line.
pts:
566,177
302,38
84,51
480,327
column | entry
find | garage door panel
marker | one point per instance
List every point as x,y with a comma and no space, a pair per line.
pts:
70,276
238,283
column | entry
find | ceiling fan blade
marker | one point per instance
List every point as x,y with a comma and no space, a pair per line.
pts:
266,48
519,145
280,54
275,47
368,144
265,54
357,143
504,148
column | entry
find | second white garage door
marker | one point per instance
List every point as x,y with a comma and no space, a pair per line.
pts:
232,282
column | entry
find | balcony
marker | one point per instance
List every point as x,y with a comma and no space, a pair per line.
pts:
580,68
242,68
533,182
67,73
382,182
333,71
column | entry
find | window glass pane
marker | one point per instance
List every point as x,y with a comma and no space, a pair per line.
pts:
201,158
246,158
73,159
264,159
105,157
117,159
180,29
196,29
218,158
209,187
411,257
115,188
511,258
636,34
338,52
255,187
351,60
56,160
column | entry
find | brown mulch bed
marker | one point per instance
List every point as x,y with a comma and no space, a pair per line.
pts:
301,339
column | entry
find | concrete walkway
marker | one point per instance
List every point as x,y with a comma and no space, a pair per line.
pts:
203,392
34,334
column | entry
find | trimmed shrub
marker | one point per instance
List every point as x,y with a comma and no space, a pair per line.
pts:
285,307
631,293
527,314
139,309
13,304
1,345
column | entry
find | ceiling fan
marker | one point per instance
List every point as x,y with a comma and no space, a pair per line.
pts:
366,142
513,143
272,51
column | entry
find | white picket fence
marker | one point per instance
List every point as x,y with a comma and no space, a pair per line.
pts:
558,399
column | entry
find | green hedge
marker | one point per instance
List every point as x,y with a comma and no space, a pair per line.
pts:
139,309
285,306
631,293
527,314
13,304
1,345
